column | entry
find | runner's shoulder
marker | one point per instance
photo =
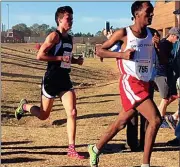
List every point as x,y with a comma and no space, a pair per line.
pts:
53,37
121,31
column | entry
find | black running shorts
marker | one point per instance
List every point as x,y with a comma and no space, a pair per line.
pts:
55,82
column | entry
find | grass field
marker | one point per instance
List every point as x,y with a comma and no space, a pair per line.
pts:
34,143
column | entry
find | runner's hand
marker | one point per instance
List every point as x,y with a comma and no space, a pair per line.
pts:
66,59
96,50
129,54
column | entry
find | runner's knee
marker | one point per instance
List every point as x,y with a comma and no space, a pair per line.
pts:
44,115
155,123
41,114
72,113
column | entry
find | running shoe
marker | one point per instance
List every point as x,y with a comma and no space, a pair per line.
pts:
72,153
19,112
94,158
164,124
171,121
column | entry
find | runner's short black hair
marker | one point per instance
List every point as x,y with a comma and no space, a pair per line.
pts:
137,5
60,12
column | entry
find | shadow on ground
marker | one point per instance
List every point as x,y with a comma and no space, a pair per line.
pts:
63,121
19,160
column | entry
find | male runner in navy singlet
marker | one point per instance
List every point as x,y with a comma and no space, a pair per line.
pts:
57,51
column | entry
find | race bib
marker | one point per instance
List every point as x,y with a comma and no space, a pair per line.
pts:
143,69
64,64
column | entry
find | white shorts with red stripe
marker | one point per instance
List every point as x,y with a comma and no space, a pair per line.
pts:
132,91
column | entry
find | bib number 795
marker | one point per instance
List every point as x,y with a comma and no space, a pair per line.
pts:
143,69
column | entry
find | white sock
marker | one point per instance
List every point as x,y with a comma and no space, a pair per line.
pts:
95,149
145,165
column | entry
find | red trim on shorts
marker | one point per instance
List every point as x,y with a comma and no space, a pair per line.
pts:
132,91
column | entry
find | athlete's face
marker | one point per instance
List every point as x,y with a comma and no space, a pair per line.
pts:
174,38
67,21
146,14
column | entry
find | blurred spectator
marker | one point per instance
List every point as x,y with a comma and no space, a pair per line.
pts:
165,78
38,46
176,140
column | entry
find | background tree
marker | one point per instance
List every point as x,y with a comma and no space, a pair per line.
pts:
99,33
43,29
49,30
23,28
37,30
70,32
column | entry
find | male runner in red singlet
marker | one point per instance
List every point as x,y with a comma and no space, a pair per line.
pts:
135,61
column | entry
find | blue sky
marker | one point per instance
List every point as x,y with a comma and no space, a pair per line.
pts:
88,16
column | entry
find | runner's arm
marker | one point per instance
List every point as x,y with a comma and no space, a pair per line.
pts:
50,41
104,51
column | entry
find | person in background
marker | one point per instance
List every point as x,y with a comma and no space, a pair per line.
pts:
176,65
165,79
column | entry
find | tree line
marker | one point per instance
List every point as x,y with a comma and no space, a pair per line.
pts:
41,30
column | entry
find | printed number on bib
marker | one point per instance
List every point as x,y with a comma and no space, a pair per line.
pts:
65,64
143,68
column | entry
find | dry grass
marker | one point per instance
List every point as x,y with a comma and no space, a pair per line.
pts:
35,143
